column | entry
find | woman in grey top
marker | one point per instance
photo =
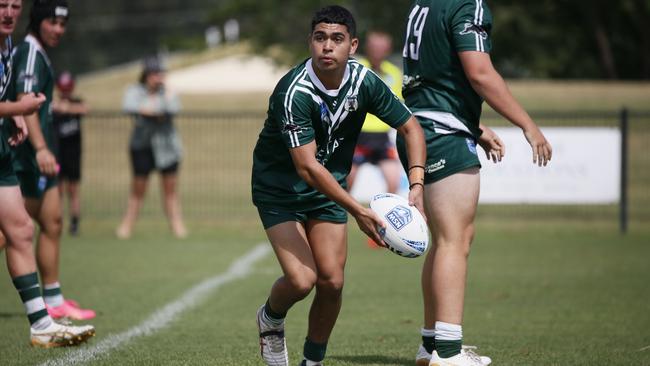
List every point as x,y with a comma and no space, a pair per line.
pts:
154,145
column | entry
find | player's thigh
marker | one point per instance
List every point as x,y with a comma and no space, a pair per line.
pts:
291,247
328,242
451,203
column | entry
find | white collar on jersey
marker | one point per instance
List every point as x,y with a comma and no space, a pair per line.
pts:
319,84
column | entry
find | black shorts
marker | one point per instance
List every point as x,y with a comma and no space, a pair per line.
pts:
373,148
70,160
143,162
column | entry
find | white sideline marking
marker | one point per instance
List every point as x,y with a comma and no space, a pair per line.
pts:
162,317
644,348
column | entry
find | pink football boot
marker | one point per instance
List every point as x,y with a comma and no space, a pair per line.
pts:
70,309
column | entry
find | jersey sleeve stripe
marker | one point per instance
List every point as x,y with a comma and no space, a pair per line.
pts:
29,72
479,22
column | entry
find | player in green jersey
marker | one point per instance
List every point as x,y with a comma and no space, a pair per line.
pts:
300,164
34,162
15,224
448,74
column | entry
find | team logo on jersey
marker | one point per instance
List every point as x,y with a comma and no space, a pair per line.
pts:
291,127
27,78
399,217
474,28
351,103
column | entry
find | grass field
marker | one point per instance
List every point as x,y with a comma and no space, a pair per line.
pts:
553,295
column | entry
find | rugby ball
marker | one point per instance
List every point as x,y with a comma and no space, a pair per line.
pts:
406,233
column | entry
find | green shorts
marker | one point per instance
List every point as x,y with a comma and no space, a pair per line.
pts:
7,175
34,185
446,154
273,216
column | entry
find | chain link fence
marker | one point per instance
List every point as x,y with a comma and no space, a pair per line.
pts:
215,172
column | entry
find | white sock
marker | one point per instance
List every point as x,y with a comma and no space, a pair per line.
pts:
312,363
42,323
271,322
448,332
428,332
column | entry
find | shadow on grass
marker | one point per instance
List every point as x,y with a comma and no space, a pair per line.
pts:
11,315
375,360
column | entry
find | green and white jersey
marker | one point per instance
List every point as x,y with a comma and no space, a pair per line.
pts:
5,79
32,73
435,85
302,110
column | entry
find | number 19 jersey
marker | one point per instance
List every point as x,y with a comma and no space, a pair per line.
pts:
435,86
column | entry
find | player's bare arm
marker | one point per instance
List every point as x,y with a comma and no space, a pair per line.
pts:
312,172
416,152
494,148
28,104
69,107
44,157
487,82
20,132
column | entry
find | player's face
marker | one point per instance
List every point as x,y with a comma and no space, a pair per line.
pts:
331,45
9,13
52,29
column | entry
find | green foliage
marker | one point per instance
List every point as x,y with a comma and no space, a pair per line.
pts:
541,39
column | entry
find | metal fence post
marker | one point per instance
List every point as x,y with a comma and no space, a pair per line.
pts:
623,209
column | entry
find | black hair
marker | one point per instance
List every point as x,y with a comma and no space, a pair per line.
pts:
150,65
44,9
335,14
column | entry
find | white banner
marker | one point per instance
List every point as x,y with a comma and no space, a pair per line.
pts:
585,169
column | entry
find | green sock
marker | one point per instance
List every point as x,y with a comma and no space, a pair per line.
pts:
448,349
30,293
314,352
429,343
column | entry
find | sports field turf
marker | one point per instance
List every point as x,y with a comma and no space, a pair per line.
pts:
537,295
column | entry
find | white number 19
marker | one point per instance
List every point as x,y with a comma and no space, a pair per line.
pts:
414,29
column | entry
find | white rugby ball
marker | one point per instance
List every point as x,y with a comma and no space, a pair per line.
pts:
406,233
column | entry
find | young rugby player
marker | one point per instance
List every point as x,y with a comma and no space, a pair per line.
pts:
300,164
15,223
448,74
34,162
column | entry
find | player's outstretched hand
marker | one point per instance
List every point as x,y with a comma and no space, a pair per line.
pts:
20,133
416,198
542,150
494,148
369,223
31,102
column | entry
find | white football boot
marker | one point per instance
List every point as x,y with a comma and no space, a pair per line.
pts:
273,346
464,358
422,358
60,335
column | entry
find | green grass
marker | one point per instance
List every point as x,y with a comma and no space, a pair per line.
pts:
537,295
